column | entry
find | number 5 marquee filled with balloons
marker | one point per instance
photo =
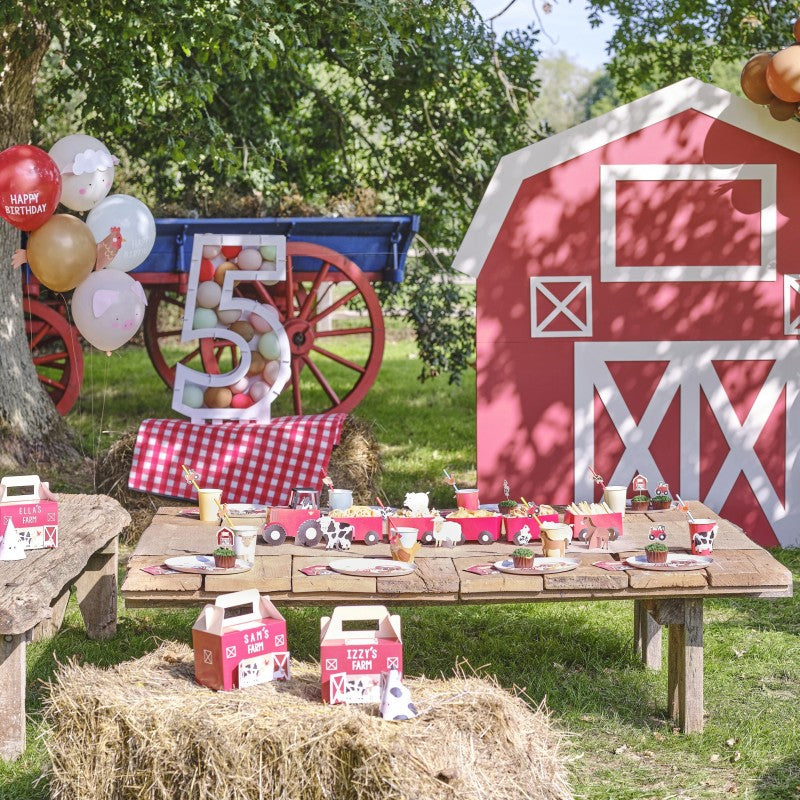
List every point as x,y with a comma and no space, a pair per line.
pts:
222,266
66,253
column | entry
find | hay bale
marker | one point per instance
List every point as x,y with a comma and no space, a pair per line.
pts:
356,461
145,730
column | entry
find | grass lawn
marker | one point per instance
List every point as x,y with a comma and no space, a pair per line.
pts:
576,655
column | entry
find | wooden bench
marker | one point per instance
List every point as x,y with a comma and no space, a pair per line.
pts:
34,595
673,599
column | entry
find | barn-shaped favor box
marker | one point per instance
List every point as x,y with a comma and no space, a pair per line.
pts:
232,649
351,661
33,512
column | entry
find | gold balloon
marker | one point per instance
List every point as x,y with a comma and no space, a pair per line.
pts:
781,110
797,30
219,274
754,80
217,397
62,252
783,74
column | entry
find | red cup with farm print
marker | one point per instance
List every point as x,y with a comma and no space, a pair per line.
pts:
467,498
702,533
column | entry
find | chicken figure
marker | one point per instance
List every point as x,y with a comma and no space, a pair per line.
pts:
108,247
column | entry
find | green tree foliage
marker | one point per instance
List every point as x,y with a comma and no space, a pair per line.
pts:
409,102
658,43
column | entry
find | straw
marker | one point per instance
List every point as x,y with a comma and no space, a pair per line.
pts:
223,513
450,480
678,498
190,477
597,478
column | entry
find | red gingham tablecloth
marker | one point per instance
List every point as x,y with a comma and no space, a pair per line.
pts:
251,462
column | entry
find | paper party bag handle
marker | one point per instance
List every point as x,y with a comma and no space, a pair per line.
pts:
331,627
14,482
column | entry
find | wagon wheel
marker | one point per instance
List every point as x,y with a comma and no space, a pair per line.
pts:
56,352
372,537
427,538
331,370
485,537
163,323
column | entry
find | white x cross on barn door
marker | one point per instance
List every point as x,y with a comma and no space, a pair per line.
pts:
689,368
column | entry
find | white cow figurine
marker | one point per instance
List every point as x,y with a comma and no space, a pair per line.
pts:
395,698
445,532
339,535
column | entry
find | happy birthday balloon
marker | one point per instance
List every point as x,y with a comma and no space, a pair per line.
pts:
61,253
30,185
136,224
87,170
108,308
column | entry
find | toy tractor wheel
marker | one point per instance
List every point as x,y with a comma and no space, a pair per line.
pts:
372,537
484,537
613,534
309,533
521,538
274,534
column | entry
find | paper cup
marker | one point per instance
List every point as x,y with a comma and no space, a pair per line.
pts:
408,537
340,499
615,497
207,500
701,536
244,542
467,498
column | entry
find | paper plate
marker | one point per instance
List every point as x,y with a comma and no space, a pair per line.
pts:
541,566
245,509
371,567
676,562
204,565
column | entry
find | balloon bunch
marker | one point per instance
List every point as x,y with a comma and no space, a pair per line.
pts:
773,80
66,253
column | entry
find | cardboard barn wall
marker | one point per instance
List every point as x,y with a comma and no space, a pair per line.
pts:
691,382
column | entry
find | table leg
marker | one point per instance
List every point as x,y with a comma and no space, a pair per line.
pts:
50,627
12,695
685,668
646,636
96,589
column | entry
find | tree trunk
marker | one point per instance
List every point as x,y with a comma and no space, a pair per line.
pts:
31,430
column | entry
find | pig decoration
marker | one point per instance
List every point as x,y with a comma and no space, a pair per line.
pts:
417,503
108,308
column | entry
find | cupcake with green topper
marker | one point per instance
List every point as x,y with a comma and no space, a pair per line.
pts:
662,499
224,558
656,553
523,558
640,502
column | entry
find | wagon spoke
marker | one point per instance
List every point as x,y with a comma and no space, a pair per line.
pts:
343,331
51,382
339,359
306,307
174,301
189,356
167,334
338,304
322,382
50,358
37,339
297,366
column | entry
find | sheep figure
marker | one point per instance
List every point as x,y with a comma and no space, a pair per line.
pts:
396,701
445,532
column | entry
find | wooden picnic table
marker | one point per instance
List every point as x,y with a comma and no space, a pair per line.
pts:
34,593
675,599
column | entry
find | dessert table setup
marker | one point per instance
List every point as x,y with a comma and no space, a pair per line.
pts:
668,592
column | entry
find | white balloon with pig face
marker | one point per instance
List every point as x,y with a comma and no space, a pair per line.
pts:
108,308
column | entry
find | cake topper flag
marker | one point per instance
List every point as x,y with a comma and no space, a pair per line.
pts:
506,489
11,547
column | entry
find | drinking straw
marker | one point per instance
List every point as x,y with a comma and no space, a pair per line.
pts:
223,513
597,478
450,480
678,498
189,475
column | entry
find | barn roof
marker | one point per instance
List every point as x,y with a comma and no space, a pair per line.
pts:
515,167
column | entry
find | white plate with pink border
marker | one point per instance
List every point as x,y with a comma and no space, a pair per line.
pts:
675,562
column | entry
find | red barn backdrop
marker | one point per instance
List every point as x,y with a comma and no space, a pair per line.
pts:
638,311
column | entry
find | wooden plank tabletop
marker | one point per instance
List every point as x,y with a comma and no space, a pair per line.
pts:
740,567
86,523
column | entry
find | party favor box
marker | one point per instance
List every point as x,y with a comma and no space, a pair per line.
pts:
240,641
351,661
32,507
